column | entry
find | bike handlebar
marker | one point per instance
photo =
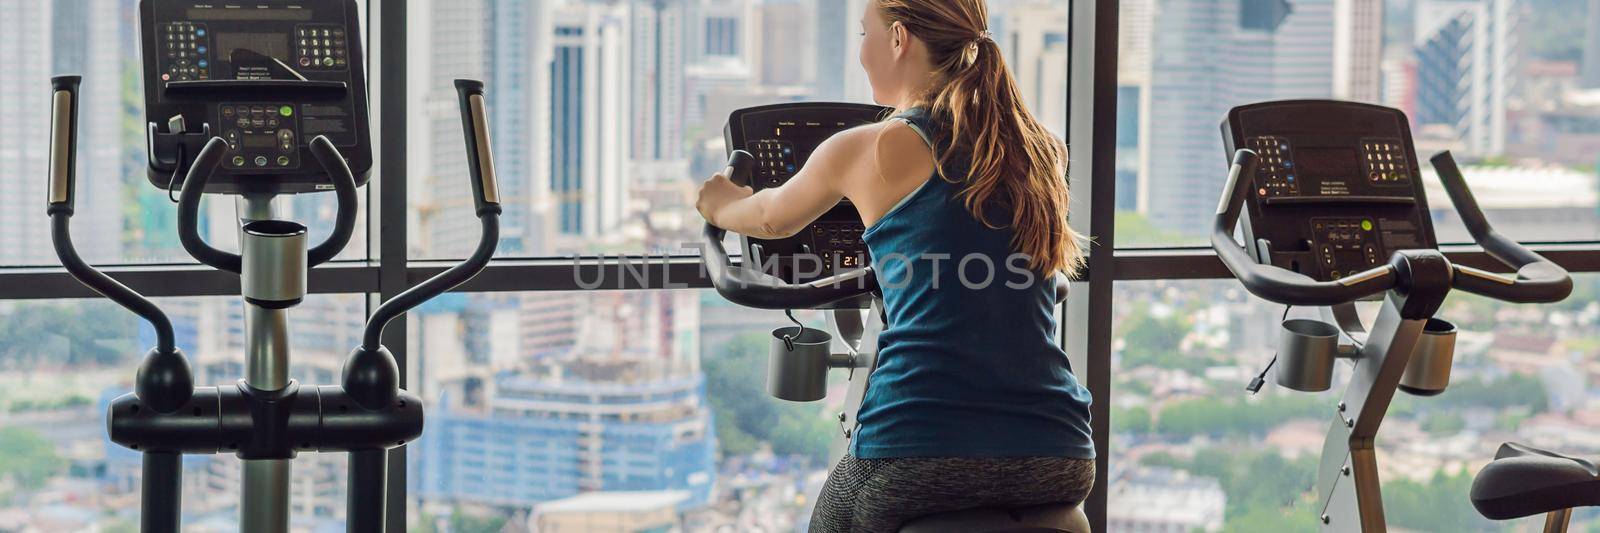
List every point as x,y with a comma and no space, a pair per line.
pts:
750,287
1278,284
1537,280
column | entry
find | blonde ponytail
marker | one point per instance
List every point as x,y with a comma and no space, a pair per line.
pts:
1014,165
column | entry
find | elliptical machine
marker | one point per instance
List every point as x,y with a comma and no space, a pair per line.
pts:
826,267
1336,214
278,90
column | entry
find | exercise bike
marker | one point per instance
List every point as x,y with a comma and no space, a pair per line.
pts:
278,92
1337,214
825,267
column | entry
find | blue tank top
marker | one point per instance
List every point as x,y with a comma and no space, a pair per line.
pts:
967,366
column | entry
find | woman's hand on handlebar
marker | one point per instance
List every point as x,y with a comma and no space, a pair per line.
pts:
717,193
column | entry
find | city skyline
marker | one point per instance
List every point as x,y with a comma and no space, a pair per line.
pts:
607,113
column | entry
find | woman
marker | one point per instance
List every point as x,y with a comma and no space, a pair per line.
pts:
973,403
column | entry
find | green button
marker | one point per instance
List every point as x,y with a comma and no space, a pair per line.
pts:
1366,225
286,111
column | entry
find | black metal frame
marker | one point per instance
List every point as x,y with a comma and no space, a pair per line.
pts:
389,271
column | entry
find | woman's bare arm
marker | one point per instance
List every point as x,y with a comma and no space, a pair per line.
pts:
784,211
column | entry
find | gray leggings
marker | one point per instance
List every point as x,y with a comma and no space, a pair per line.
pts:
879,495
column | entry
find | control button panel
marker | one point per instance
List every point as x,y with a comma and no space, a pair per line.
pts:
1385,162
840,246
1274,168
1346,245
321,47
775,162
185,51
260,135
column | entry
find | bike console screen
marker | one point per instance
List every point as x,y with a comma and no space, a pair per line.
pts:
781,137
267,76
1337,188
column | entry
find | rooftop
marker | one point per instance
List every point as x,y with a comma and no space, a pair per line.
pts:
615,502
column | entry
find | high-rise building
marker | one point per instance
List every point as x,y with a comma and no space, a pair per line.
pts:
589,119
1358,49
1208,56
832,31
576,428
782,24
519,54
1589,70
1032,35
450,42
43,39
1466,60
658,43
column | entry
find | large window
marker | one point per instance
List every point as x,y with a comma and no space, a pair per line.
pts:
548,406
1507,85
606,117
61,363
121,218
1192,451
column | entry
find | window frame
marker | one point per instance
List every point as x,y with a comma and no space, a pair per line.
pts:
389,270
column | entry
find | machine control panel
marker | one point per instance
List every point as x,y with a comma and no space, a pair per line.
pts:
1336,188
781,137
260,135
1286,173
267,76
1350,243
185,52
321,47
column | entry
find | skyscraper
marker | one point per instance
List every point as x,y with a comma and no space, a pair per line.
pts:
589,118
1466,56
1206,57
454,45
519,52
832,31
1589,70
658,55
1358,49
1032,35
783,24
43,39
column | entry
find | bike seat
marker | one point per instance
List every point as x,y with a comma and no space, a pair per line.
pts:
1523,481
1049,518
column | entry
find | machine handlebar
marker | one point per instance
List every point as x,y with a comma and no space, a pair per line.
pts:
63,142
750,287
1537,280
475,122
475,125
1277,284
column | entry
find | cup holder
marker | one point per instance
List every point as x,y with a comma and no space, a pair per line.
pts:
1428,371
1307,349
797,364
274,263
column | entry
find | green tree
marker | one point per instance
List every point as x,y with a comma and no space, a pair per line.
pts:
1134,420
465,523
746,417
37,333
1441,504
27,458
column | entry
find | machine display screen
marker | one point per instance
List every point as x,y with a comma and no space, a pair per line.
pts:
239,46
1332,162
260,141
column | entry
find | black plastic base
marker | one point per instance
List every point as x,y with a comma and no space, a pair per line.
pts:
255,424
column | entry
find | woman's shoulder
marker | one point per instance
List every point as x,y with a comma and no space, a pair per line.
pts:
868,143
